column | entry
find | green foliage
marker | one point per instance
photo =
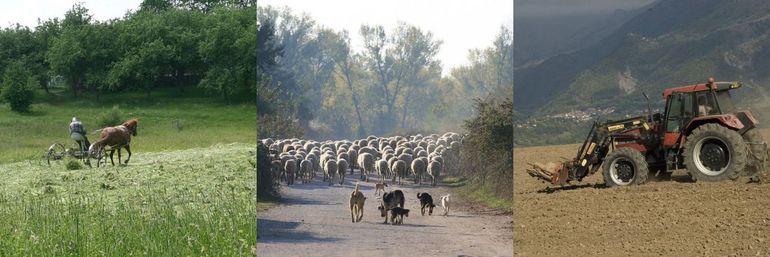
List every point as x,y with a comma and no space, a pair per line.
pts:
274,126
17,87
229,50
73,164
111,118
487,152
267,185
394,83
210,43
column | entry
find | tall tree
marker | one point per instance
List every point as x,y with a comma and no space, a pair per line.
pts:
348,69
229,50
68,55
398,62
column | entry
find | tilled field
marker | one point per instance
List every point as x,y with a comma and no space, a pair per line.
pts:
660,218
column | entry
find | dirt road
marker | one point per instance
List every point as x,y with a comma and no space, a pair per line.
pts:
665,218
314,220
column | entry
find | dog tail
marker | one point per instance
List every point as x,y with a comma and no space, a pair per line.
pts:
357,186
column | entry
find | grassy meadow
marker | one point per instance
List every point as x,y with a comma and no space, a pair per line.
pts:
194,202
189,189
165,122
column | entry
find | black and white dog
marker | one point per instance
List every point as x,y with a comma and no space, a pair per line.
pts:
426,201
389,201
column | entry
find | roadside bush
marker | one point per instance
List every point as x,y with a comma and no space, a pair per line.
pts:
278,126
487,152
267,186
17,89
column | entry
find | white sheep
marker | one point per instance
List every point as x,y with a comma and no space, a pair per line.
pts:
399,170
434,170
342,166
330,169
418,168
291,168
382,169
366,164
306,169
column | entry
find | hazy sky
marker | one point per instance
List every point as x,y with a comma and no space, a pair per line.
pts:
460,24
27,12
545,8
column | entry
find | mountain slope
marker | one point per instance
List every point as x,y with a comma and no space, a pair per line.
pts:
671,43
540,37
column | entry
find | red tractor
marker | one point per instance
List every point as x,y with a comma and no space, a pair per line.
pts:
701,131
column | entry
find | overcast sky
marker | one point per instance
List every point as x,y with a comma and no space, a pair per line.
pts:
26,12
545,8
460,24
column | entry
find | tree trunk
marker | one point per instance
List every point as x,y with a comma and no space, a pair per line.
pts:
76,87
178,80
406,110
349,80
45,87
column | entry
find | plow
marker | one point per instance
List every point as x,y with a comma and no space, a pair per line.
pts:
700,131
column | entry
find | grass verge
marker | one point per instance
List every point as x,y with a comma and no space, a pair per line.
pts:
477,193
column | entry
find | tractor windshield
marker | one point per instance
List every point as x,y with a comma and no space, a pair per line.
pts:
725,102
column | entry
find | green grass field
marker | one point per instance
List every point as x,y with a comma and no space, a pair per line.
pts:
480,194
165,123
195,202
189,189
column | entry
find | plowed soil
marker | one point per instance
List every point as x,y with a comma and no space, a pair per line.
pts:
673,217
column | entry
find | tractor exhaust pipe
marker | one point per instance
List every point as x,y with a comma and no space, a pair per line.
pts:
649,108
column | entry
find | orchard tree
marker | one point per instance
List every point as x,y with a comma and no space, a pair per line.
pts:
17,88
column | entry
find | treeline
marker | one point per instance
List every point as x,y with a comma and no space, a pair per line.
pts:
165,43
313,82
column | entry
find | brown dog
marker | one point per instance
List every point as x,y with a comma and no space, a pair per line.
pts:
357,205
379,187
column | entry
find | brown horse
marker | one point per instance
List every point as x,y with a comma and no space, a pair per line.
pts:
117,138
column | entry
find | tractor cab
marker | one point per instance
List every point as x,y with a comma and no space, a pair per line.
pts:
690,106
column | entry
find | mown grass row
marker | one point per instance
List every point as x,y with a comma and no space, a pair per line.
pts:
194,202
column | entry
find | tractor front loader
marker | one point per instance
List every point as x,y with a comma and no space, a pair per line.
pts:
700,131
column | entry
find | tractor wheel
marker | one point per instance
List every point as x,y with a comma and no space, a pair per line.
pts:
714,153
758,150
624,167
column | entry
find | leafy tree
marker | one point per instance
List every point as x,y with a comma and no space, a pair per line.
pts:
45,33
229,50
18,86
68,54
267,52
401,63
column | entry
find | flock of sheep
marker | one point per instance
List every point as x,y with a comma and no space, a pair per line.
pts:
392,158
